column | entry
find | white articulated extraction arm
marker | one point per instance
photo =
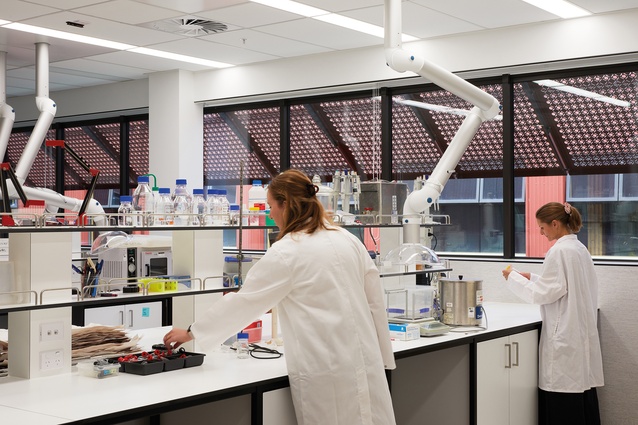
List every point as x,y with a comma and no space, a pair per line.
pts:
47,108
485,107
7,114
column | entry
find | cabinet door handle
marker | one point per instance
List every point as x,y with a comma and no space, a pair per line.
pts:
131,322
122,317
509,356
515,345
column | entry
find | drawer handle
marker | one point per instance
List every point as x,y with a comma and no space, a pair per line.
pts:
515,345
509,356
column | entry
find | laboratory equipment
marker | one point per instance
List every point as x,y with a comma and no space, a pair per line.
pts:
142,202
242,345
181,202
164,208
410,303
198,206
377,197
125,211
224,208
461,301
485,108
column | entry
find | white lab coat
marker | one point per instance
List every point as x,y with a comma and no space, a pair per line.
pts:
336,338
570,358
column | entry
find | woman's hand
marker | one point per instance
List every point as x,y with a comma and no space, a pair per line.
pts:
507,270
176,337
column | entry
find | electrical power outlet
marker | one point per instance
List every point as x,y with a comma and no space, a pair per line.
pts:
51,331
53,359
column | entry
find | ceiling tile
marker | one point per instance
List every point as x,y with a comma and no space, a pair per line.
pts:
486,13
103,28
597,6
100,69
192,6
14,10
128,11
144,61
214,51
265,43
250,15
322,34
64,4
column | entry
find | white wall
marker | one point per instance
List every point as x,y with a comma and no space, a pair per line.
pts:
618,297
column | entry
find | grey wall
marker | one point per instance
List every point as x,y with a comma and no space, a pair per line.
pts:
618,298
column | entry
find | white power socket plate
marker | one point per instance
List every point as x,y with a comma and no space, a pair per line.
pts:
53,359
51,331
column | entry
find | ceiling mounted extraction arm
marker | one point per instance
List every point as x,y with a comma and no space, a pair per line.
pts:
47,108
485,108
7,114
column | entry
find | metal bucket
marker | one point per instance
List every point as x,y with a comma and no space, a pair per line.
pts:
461,301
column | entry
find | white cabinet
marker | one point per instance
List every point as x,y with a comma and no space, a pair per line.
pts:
507,380
132,316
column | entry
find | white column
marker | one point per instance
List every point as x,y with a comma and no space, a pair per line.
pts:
175,129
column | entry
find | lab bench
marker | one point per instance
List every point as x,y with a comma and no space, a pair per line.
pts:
435,379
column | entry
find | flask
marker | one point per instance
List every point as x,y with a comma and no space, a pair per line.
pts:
198,207
212,207
164,208
142,201
125,211
242,345
181,202
224,208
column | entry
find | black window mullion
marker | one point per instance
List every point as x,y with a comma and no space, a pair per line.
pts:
124,155
509,246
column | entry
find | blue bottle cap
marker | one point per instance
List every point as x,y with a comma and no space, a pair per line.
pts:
223,191
234,207
256,182
198,191
180,182
164,190
242,335
125,198
142,179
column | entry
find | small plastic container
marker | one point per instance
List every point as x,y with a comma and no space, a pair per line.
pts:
98,369
242,345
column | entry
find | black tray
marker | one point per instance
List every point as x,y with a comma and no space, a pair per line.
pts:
172,362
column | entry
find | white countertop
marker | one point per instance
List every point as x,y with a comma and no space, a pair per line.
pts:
73,397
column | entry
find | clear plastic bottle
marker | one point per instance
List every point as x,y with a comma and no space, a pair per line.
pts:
142,201
394,218
125,211
253,216
164,208
198,207
242,345
212,207
181,203
224,208
233,212
257,198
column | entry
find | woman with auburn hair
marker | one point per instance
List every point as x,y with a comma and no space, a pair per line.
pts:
570,357
331,307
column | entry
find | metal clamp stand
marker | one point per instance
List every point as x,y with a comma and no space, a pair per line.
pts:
93,171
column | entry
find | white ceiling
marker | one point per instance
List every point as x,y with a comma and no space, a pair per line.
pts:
255,32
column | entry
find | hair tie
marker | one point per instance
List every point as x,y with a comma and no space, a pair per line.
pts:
568,209
311,189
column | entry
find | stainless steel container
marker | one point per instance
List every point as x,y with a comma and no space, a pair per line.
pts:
461,301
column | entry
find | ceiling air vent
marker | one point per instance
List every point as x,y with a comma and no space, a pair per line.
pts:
190,26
